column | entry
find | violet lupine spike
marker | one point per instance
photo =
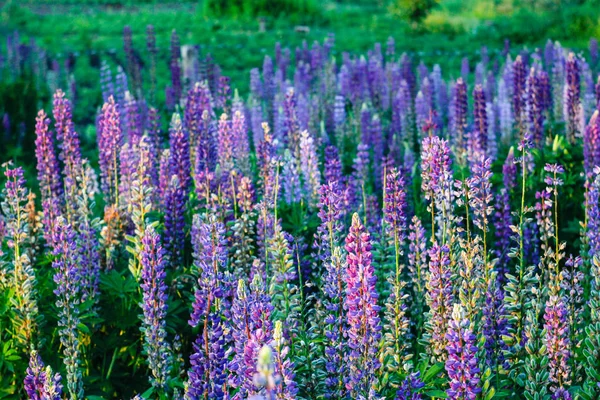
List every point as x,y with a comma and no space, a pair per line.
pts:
461,364
47,162
240,141
290,178
572,100
109,146
330,212
154,306
410,387
591,144
503,217
481,193
208,373
309,165
175,205
40,382
478,137
225,144
333,166
134,128
364,325
464,69
335,348
152,51
180,154
557,342
70,152
519,77
459,119
67,277
440,299
284,367
593,210
495,326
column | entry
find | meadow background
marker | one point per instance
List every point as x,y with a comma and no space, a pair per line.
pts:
435,32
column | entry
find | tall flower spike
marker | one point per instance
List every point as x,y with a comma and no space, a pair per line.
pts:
284,367
47,163
40,382
461,364
109,145
572,94
440,299
180,154
67,277
364,326
175,201
154,307
309,165
19,235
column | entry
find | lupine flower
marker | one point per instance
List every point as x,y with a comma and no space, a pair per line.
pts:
572,97
439,299
40,382
459,114
503,217
310,168
180,154
519,77
284,367
207,375
154,307
47,162
70,153
478,138
175,66
109,146
175,201
557,341
409,389
461,364
364,330
67,277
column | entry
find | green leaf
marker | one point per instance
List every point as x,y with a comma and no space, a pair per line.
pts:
437,394
433,371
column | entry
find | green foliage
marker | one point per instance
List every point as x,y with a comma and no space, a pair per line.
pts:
414,11
261,8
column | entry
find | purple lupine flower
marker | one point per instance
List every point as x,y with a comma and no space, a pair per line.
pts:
290,179
286,388
67,277
225,144
557,341
519,77
364,326
40,382
152,51
572,97
461,364
505,116
534,103
207,375
133,119
330,212
480,198
201,141
180,155
333,288
154,306
240,142
309,165
109,147
70,153
394,207
175,203
503,217
360,176
459,118
591,144
409,389
106,81
417,266
593,210
439,297
478,137
495,325
47,163
422,111
333,166
223,93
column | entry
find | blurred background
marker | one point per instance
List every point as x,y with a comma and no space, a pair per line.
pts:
47,44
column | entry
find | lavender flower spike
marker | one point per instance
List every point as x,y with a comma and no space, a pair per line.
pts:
47,162
461,365
364,330
154,307
40,382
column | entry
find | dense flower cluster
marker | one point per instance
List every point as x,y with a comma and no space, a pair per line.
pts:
352,227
